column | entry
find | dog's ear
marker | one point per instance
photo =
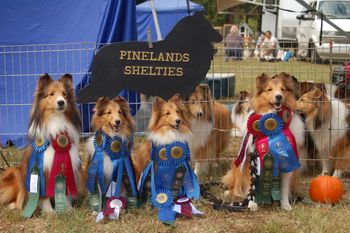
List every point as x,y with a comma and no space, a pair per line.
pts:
123,103
157,106
67,79
288,81
44,80
261,81
177,99
204,89
100,104
318,94
243,95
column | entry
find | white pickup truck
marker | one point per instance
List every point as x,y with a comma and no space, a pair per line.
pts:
309,31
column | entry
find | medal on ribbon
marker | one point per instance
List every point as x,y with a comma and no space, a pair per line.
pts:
270,124
253,125
286,116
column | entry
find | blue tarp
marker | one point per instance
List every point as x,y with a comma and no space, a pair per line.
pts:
169,13
55,37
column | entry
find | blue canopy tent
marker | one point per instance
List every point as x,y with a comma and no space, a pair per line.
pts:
169,13
55,37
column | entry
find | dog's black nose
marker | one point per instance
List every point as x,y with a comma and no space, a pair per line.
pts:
117,122
278,97
60,103
199,114
178,121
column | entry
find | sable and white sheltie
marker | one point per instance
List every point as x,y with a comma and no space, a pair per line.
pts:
270,95
53,112
113,117
241,111
167,124
211,126
326,122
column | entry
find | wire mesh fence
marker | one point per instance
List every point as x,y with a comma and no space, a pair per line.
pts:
230,78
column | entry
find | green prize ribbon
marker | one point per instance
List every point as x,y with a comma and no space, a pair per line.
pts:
33,193
265,181
95,201
276,188
60,194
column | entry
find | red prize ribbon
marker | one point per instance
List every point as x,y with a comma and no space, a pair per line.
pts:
62,164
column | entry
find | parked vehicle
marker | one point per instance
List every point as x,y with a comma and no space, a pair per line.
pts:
309,31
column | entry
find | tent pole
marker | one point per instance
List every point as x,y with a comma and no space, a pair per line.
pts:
188,7
155,19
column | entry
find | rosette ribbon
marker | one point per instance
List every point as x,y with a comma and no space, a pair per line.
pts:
171,176
62,165
97,164
113,208
122,164
39,146
279,142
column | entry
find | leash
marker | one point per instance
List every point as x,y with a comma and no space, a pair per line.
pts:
217,203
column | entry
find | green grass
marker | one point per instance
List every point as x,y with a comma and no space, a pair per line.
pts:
303,218
246,71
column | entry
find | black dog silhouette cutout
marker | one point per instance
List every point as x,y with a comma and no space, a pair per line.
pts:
174,65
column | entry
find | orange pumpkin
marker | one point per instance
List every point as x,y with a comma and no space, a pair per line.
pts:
326,189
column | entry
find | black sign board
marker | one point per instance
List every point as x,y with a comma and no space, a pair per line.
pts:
174,65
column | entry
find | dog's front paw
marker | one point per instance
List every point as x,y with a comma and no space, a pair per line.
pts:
227,193
253,206
286,206
338,174
12,206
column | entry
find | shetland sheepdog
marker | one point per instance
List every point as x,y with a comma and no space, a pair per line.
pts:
241,111
211,126
53,112
326,122
114,118
271,95
167,124
341,153
248,47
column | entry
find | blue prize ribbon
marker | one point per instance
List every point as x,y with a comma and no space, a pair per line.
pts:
167,215
37,158
129,169
155,155
271,132
190,183
120,170
143,178
124,162
168,201
96,167
113,155
185,152
285,159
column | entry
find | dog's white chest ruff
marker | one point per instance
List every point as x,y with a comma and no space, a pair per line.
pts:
201,131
